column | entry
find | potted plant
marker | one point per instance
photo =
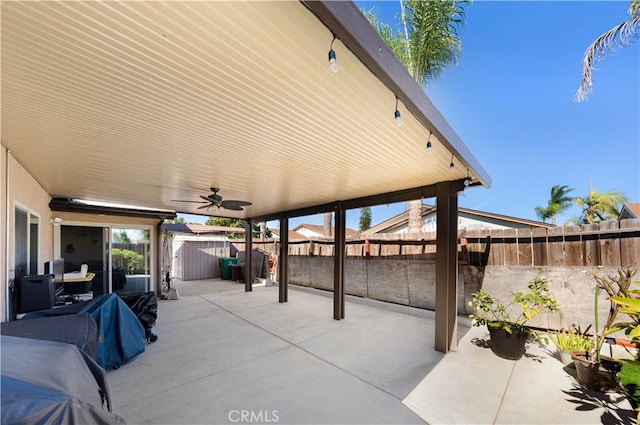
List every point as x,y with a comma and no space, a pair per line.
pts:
629,374
570,340
507,321
593,370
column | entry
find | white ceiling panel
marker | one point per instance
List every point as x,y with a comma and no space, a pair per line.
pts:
141,103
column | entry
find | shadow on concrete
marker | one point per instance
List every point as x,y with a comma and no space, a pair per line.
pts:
586,400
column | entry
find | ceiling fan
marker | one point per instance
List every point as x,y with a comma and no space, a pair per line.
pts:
215,200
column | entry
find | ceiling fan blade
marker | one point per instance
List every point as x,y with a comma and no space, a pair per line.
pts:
192,202
204,207
212,198
235,203
231,207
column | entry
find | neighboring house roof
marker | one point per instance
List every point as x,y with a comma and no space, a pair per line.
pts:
402,219
629,211
317,230
292,234
200,228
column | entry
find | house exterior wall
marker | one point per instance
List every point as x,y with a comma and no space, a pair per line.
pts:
27,194
306,232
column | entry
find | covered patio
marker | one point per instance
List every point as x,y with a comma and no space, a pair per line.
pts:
223,353
150,104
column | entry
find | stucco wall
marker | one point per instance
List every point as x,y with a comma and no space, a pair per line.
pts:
27,194
408,282
412,282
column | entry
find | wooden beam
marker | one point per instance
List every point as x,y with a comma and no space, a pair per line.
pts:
446,268
403,195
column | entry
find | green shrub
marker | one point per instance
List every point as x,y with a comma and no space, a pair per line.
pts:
131,260
629,377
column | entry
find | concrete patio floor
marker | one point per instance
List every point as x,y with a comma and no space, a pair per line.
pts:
226,356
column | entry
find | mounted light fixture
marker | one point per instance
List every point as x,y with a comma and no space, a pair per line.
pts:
429,146
55,221
452,166
467,180
333,62
396,114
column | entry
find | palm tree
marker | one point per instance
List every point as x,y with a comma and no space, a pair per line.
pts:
543,213
559,201
428,43
619,36
326,227
597,207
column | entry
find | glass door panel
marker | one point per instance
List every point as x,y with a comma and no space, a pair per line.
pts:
131,259
86,245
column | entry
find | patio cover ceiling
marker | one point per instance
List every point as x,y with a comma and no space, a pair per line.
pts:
142,103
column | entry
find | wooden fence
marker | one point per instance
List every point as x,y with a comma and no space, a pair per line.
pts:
609,243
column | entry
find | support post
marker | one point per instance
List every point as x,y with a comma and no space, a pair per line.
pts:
283,261
338,262
248,260
446,267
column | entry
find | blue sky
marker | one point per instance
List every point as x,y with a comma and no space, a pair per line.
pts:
510,99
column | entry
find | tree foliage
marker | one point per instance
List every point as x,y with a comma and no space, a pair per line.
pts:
617,37
597,207
179,220
559,201
428,40
236,222
121,237
365,219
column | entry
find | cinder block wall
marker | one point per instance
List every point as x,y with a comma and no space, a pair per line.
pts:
412,283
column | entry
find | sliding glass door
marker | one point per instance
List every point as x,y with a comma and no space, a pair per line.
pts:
120,257
131,259
87,245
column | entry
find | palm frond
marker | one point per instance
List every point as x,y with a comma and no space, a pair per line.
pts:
433,40
619,36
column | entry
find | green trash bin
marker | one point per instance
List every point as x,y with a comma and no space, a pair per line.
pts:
225,265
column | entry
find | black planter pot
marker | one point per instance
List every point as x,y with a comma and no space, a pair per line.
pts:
595,376
508,345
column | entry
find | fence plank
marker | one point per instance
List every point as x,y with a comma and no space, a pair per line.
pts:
496,252
510,246
475,247
556,255
539,246
609,244
573,246
525,256
590,245
630,243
